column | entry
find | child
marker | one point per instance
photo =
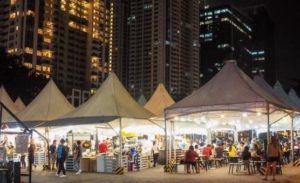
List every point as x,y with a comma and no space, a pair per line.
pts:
23,163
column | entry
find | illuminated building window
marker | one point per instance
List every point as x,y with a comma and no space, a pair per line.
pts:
40,31
12,15
29,13
28,50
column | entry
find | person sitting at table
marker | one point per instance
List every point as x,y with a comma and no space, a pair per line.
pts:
232,153
207,152
190,159
255,156
246,155
197,149
219,151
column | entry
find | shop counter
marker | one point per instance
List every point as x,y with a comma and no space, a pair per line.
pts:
85,164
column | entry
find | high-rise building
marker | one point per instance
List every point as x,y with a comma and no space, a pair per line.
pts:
245,34
263,37
120,40
163,47
68,40
225,34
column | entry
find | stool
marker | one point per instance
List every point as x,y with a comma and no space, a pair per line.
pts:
231,167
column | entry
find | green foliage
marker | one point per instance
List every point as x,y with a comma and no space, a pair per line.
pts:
19,80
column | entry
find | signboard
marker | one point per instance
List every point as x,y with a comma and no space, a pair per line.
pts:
22,143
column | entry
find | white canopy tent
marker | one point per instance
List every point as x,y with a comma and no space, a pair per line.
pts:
48,105
113,105
295,98
6,100
20,104
160,100
228,95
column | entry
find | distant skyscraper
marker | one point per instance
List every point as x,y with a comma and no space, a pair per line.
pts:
225,34
163,47
264,39
68,40
120,40
246,35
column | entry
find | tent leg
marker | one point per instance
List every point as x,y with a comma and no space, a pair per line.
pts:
120,139
268,125
292,137
166,143
0,118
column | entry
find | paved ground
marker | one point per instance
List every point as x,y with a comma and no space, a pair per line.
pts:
156,175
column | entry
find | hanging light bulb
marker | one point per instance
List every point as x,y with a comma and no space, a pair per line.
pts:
244,114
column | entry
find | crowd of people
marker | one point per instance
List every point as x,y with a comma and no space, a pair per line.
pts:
273,153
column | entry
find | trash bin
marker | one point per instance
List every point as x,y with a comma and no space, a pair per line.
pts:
3,175
17,175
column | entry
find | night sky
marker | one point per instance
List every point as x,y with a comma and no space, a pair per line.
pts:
286,16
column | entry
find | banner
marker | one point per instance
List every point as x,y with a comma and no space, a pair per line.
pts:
22,143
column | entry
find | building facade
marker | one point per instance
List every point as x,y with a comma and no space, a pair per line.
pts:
225,34
68,40
163,47
246,35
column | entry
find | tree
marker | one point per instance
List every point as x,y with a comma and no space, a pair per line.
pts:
18,79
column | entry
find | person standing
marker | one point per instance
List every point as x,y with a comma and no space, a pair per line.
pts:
102,147
286,152
52,150
31,151
155,152
77,156
61,158
273,155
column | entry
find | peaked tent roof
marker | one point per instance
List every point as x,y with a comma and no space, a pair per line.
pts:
263,84
6,100
48,105
20,104
229,89
160,100
280,91
111,99
293,95
142,100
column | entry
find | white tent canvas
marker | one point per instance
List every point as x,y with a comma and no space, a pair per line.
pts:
6,100
49,104
111,99
229,89
20,104
280,91
160,100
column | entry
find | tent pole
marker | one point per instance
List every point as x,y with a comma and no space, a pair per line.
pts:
172,142
166,142
120,138
0,117
292,136
268,126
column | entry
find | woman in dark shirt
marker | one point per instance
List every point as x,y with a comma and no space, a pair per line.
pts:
246,155
190,159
